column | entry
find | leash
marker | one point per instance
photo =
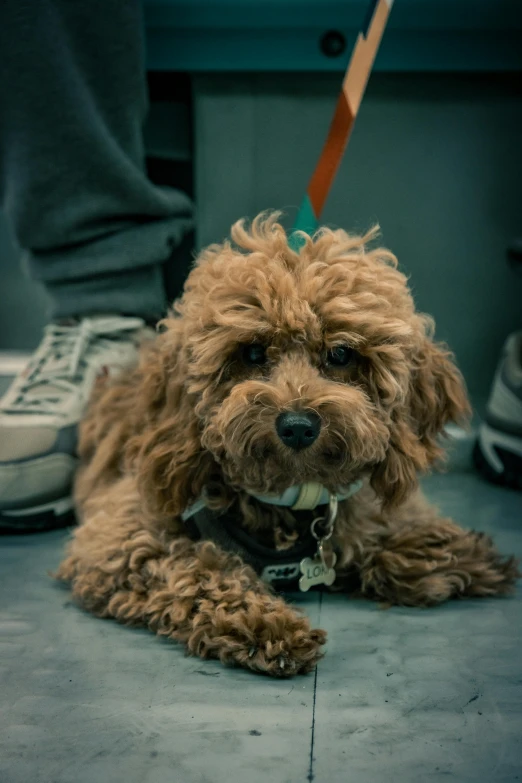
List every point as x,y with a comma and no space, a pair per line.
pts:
350,97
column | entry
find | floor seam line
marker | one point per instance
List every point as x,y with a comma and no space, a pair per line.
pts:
311,775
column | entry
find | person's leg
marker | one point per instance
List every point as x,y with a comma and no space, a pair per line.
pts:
92,227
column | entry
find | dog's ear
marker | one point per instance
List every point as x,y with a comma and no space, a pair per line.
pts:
166,454
435,397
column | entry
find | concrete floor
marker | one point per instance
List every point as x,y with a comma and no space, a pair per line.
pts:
402,696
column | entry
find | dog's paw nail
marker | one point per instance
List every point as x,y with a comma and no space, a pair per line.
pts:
252,652
282,662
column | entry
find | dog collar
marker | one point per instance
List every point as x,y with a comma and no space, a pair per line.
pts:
300,497
280,568
307,496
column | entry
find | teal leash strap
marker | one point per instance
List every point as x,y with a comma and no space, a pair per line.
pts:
306,221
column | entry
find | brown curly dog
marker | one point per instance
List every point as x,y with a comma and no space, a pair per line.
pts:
277,368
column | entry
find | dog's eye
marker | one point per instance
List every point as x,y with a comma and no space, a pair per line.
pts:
254,355
340,356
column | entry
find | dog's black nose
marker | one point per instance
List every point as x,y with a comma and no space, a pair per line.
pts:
298,429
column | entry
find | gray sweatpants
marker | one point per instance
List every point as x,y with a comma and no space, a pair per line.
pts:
73,98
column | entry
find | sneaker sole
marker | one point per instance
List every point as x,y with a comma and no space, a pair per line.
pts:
48,516
498,457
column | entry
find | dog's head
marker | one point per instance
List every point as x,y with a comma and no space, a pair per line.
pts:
285,367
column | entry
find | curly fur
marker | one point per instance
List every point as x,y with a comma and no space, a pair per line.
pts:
193,417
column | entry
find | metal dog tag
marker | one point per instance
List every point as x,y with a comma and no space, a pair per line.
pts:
316,572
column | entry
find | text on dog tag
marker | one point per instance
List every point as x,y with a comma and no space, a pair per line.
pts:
315,572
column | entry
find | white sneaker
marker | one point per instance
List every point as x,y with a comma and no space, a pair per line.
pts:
498,451
40,412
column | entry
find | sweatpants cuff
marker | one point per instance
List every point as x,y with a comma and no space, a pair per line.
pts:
139,291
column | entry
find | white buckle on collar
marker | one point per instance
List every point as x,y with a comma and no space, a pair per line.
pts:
307,496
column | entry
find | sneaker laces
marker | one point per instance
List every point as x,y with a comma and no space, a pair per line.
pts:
58,368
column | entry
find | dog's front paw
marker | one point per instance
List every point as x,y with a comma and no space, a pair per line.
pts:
296,652
264,635
424,568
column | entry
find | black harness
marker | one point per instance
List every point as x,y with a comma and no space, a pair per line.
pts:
281,568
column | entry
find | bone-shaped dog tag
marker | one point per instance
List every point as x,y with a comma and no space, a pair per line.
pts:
316,572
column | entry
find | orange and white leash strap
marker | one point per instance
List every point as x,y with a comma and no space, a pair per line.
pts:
354,85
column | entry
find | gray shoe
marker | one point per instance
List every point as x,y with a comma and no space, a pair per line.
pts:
498,451
40,412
